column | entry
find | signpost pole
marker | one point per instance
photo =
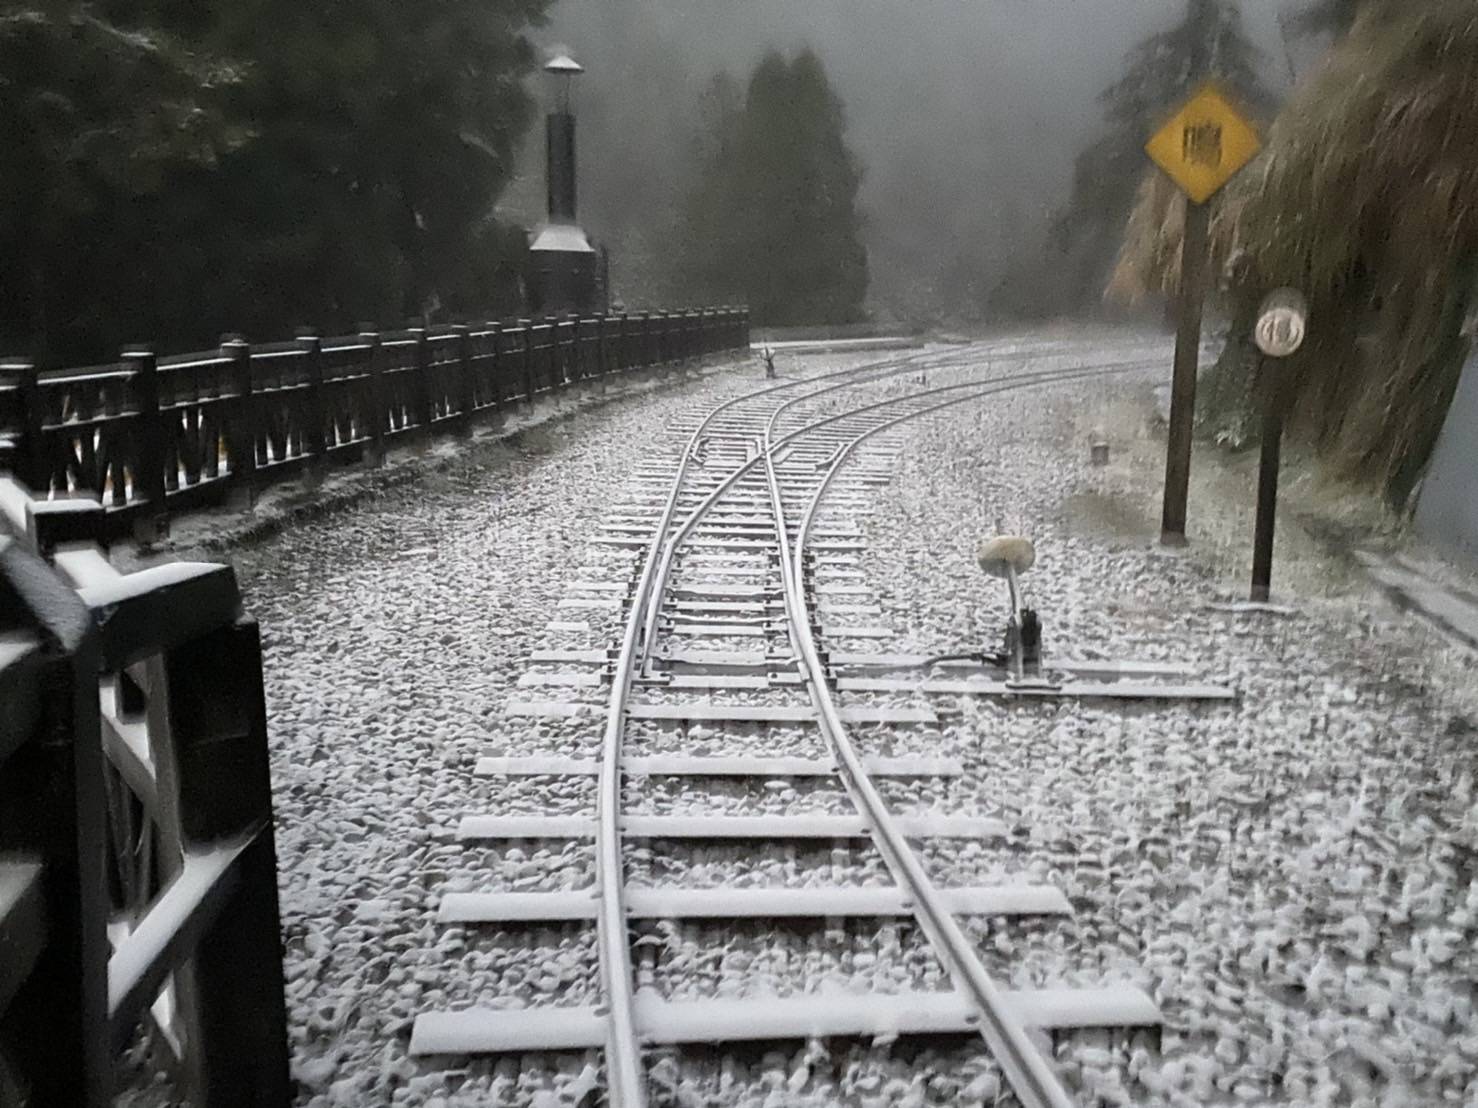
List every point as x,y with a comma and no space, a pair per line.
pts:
1183,383
1267,489
1282,321
1200,148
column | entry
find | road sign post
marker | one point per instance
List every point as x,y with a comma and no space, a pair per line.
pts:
1183,378
1281,322
1201,147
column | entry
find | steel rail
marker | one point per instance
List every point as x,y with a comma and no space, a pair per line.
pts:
885,368
1026,1069
696,515
626,1085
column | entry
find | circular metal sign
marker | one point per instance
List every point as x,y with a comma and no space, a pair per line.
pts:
1281,322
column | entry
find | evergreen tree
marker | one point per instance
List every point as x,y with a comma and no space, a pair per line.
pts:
1084,238
388,129
773,214
97,119
340,164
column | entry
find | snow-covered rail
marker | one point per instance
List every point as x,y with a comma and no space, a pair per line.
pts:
739,615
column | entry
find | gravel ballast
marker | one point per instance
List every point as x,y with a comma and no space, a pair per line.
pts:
1290,876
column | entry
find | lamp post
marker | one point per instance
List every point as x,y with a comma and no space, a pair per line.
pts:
561,138
562,263
562,71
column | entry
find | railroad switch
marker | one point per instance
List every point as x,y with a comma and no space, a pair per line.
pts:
1008,557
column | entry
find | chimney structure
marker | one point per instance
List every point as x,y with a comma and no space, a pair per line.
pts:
562,264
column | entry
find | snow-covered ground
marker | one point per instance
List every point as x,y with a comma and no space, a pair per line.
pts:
1291,877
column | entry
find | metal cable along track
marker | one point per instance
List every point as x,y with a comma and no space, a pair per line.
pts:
627,1018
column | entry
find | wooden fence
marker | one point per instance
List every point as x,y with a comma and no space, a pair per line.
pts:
149,436
138,885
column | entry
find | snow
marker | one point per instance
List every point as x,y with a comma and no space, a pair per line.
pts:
1287,877
563,238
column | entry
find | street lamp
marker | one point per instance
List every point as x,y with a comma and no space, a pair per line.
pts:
562,264
562,71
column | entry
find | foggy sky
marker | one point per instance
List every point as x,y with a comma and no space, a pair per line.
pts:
966,114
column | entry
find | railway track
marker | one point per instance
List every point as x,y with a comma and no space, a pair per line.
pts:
745,667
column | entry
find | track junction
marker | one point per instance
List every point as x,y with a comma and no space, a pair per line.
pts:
746,665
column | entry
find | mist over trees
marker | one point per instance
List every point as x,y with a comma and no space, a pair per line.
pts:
1069,276
771,218
966,115
178,169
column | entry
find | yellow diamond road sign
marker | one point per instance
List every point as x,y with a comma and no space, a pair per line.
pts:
1204,144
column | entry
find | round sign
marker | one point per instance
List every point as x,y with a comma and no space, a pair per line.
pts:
1281,322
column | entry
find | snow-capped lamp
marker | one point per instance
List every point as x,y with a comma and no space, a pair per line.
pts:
562,263
562,71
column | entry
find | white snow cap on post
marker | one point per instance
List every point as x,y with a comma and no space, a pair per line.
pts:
1004,552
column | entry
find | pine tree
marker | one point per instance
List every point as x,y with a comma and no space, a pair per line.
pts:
98,118
773,213
393,126
177,168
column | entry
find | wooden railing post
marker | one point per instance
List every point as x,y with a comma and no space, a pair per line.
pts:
218,738
554,360
421,382
602,349
54,980
30,463
494,373
466,382
528,360
375,404
311,347
576,359
241,425
151,525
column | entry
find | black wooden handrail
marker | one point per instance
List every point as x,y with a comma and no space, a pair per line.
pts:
153,436
132,724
